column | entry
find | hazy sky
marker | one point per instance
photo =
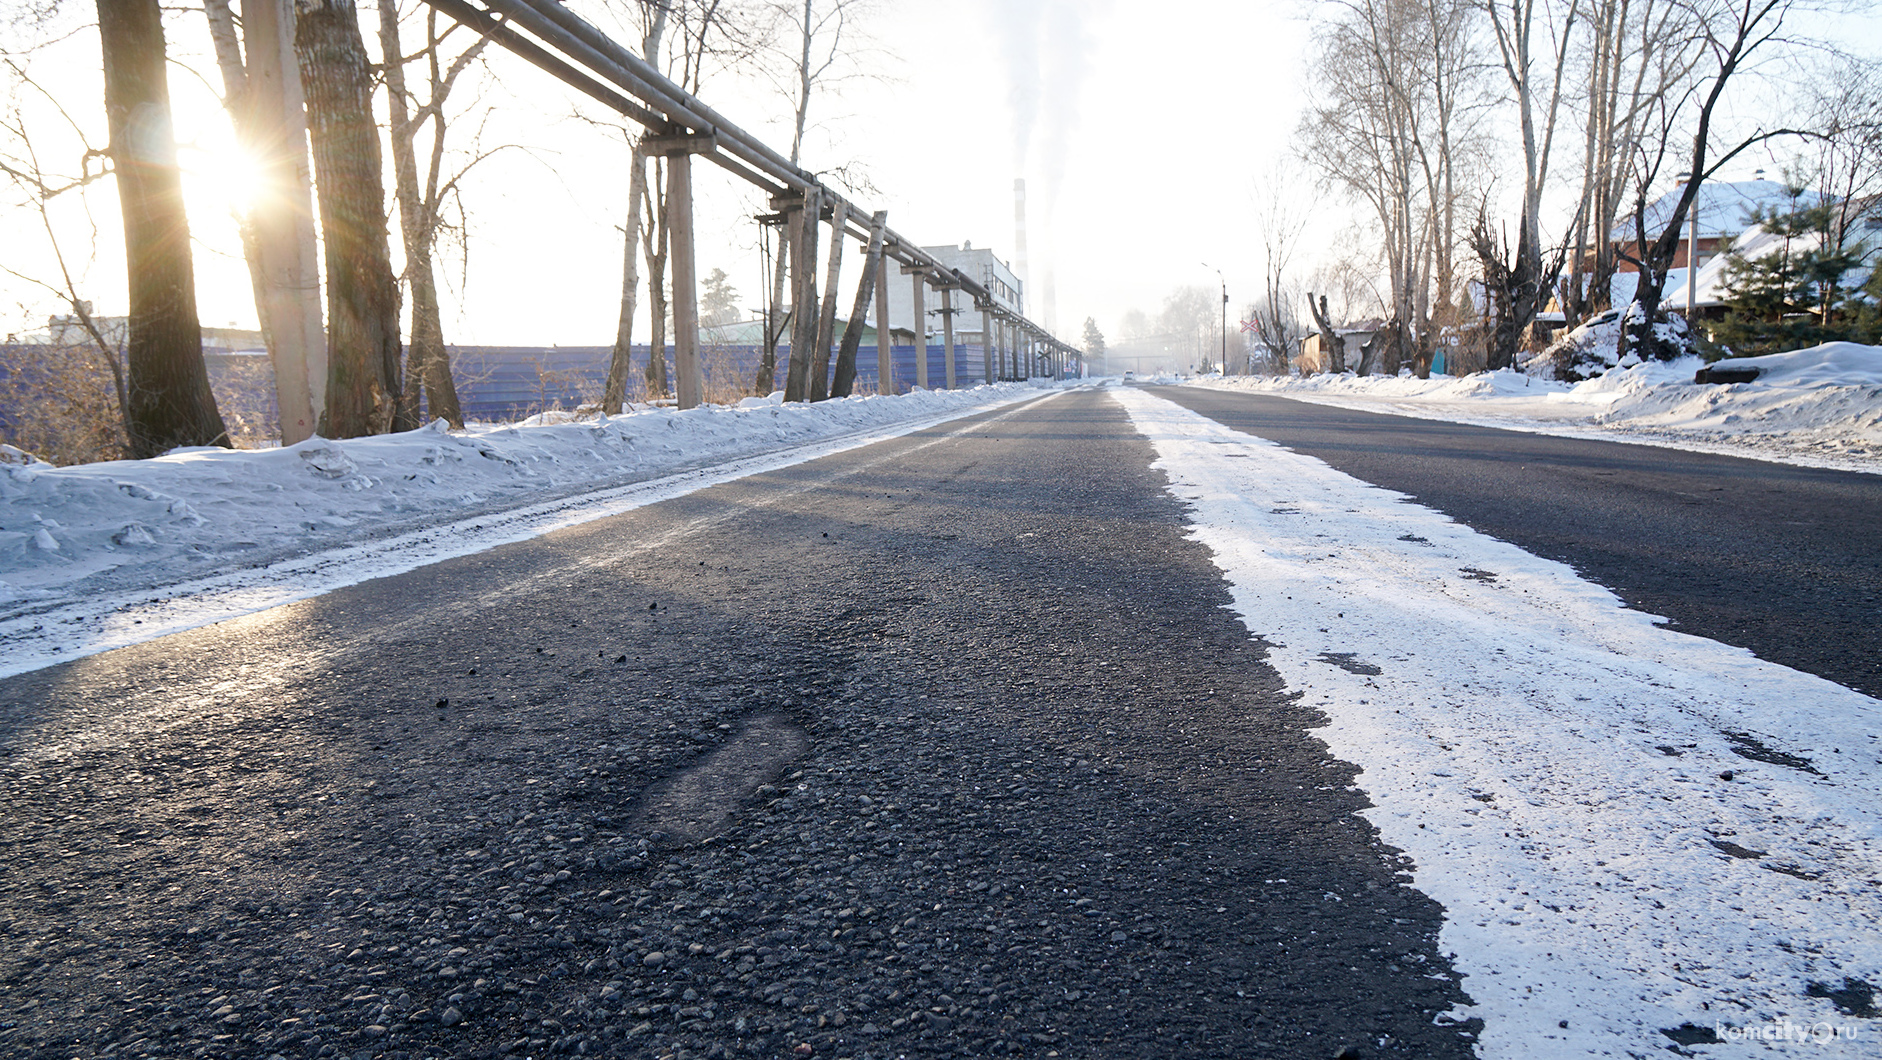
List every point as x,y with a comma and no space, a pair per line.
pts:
1138,134
1140,127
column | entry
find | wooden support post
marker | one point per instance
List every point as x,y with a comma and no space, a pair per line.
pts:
885,335
826,323
986,343
691,381
803,295
845,379
920,292
947,331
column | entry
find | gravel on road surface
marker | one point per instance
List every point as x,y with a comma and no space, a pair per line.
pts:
944,746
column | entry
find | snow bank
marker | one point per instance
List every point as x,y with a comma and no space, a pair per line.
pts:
1831,364
1632,830
199,535
1820,407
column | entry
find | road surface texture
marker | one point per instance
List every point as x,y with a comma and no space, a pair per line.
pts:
1783,560
944,746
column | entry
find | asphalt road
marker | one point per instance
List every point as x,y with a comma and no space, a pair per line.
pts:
944,746
1783,560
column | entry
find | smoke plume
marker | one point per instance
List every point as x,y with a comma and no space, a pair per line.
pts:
1046,50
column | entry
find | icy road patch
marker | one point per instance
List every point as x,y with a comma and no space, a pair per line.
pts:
1642,839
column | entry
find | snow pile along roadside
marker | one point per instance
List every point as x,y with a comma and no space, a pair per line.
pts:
244,529
1641,838
1826,399
1819,407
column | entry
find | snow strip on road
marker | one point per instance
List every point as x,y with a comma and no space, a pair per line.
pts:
1632,830
270,495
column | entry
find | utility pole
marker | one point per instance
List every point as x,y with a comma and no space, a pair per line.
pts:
947,330
1692,255
1225,316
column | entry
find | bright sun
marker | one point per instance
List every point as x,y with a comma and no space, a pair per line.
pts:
218,176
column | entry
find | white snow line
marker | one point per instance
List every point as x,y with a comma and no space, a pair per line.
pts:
74,628
1570,779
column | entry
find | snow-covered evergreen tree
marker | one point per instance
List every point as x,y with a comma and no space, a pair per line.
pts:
1794,296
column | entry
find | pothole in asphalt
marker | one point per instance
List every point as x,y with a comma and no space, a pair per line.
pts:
1349,661
699,802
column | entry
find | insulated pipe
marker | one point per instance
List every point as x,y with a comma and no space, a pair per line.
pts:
564,27
533,53
663,95
605,59
579,39
541,57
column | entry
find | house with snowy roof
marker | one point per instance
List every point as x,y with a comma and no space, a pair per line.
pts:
1722,210
1710,292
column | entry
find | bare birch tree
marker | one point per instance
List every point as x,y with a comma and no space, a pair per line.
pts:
1733,33
262,94
812,43
1388,126
1281,226
686,39
1535,86
421,207
1634,55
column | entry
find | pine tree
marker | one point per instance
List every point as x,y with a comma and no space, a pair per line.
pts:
1794,297
718,301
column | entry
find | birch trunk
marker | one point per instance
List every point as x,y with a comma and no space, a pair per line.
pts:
427,362
615,393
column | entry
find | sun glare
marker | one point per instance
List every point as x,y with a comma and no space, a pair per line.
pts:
219,176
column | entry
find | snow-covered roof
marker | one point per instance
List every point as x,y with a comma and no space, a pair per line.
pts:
1724,208
1755,242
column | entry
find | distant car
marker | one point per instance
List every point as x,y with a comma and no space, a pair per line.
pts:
1128,376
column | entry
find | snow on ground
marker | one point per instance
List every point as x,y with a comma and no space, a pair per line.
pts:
1820,407
1632,830
96,556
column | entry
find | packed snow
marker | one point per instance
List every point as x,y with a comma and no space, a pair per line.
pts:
1820,407
1633,831
97,556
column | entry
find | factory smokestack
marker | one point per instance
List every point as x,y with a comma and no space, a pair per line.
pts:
1019,238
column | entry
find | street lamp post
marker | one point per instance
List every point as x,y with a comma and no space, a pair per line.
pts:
1225,316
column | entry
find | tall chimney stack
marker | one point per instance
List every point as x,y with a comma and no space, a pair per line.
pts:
1019,238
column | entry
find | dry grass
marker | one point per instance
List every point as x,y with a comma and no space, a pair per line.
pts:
59,403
